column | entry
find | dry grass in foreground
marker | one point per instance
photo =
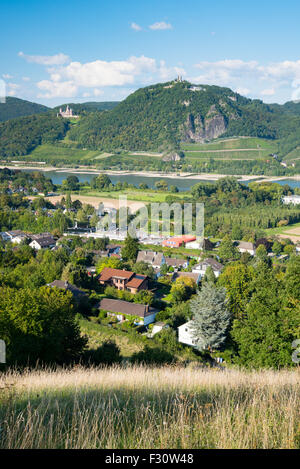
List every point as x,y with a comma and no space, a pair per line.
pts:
140,407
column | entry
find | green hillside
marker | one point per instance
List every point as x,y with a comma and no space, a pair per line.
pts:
91,106
163,116
21,136
196,128
15,107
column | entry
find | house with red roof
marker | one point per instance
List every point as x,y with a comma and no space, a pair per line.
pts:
178,241
123,280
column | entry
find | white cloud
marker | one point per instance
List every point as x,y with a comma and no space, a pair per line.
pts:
101,73
160,25
58,59
268,92
6,76
243,91
64,89
98,92
136,26
25,78
71,77
280,79
13,86
12,89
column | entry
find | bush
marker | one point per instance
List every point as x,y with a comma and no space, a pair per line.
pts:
152,355
107,354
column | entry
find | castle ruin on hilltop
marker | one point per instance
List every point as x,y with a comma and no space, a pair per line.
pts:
68,113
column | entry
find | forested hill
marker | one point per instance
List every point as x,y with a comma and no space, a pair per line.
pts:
21,136
90,106
158,118
163,115
15,107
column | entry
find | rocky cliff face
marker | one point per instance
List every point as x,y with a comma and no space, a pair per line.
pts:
198,129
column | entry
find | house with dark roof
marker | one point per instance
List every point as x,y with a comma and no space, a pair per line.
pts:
123,280
143,314
210,262
42,241
155,259
177,263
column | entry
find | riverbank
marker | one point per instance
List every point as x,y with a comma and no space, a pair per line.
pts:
186,176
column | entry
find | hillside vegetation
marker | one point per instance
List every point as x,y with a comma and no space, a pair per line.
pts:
136,407
15,107
91,106
162,116
190,128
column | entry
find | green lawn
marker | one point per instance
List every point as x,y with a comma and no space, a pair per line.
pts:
138,195
282,230
246,143
128,342
59,153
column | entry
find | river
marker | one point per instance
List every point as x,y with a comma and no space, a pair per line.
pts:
183,184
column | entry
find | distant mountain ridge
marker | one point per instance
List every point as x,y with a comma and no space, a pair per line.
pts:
89,106
15,107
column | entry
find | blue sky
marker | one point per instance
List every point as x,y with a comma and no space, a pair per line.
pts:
74,51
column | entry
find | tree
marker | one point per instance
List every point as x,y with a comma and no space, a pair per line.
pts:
261,253
209,275
39,324
101,182
237,278
68,201
130,249
76,275
72,183
161,185
227,250
111,262
277,248
211,317
178,292
264,337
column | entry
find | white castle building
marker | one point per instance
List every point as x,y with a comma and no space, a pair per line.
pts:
67,113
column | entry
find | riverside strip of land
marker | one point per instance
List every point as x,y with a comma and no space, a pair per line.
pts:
200,176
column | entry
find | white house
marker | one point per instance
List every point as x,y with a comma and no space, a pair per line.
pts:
244,246
42,242
15,236
291,199
202,266
185,334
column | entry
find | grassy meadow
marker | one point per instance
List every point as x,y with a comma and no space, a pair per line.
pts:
136,407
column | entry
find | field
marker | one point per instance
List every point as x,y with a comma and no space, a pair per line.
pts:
95,200
61,154
237,143
136,407
289,231
243,148
138,195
